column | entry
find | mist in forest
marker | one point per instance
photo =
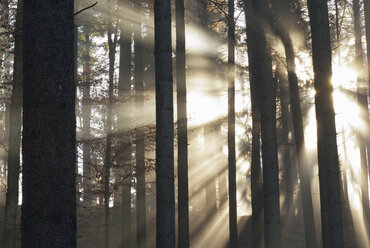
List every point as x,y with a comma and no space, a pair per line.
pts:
246,126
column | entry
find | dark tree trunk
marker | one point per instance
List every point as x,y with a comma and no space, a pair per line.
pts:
233,226
11,204
49,124
256,172
286,24
285,141
124,94
164,125
331,209
261,75
182,126
303,168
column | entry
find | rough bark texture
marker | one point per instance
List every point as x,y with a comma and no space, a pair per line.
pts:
331,213
261,76
49,124
164,125
11,204
140,145
233,226
182,126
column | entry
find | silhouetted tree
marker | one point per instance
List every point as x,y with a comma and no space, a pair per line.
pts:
331,210
49,126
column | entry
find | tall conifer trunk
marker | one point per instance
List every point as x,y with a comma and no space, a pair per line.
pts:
331,204
182,126
164,125
124,88
233,226
260,70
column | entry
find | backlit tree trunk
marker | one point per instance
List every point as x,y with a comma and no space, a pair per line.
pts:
164,125
49,126
331,209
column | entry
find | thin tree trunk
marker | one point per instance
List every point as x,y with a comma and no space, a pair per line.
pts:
210,184
49,126
86,117
303,168
11,205
331,212
124,93
233,226
112,42
164,125
182,126
285,141
140,144
364,113
261,76
285,25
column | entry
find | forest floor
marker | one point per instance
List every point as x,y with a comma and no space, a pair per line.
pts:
292,233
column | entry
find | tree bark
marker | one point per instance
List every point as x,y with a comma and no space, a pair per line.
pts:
233,224
164,125
303,168
11,205
331,213
49,126
256,170
362,89
182,126
285,141
261,75
124,93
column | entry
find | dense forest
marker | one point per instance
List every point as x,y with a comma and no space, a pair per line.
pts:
198,123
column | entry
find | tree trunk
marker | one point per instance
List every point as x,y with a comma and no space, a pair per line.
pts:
331,213
49,126
285,141
86,117
233,226
140,145
112,42
182,126
11,204
303,168
261,76
124,93
164,125
210,182
364,113
256,172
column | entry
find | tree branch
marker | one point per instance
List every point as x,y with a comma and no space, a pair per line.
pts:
78,12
